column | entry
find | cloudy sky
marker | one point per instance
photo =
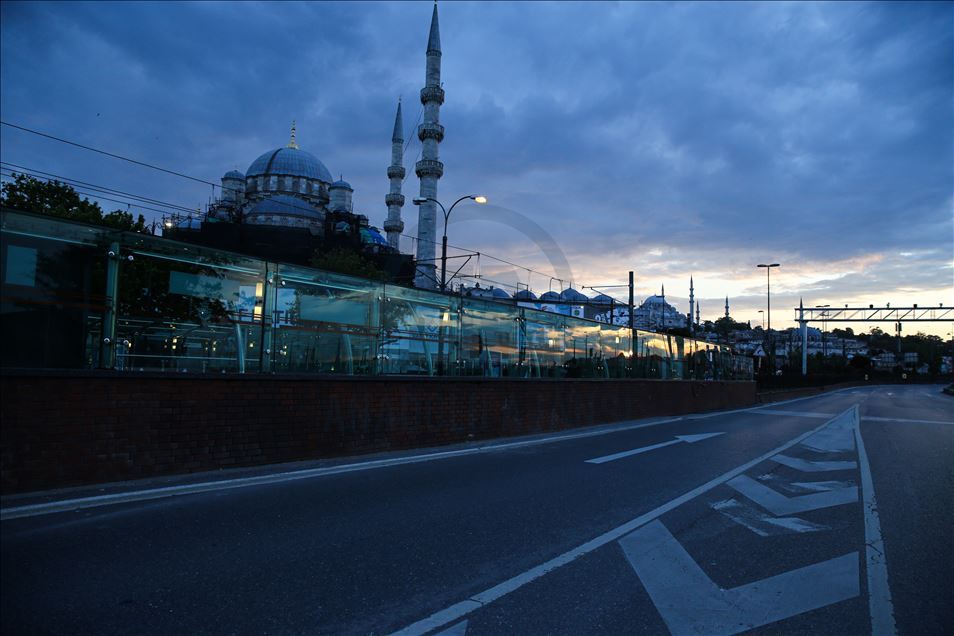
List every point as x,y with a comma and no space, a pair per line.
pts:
670,139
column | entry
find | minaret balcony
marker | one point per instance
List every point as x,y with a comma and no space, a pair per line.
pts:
430,131
396,172
394,199
394,225
429,168
432,94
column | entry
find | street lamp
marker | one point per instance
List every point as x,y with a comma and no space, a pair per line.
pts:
420,200
762,311
768,289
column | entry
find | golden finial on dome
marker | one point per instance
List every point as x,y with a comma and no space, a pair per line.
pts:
293,143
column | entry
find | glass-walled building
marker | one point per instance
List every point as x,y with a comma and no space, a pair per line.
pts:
86,297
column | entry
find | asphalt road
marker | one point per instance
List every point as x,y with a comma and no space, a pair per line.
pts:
780,523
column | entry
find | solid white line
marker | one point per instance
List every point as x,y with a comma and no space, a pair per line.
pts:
879,592
81,503
795,413
898,419
458,611
630,453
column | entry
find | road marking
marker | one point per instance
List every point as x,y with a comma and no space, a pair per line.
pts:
879,592
898,419
808,466
822,486
795,413
778,504
690,603
837,437
691,439
81,503
459,610
460,629
762,524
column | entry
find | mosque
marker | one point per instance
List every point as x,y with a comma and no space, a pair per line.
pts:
287,205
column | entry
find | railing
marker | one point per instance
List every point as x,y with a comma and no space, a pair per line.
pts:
78,296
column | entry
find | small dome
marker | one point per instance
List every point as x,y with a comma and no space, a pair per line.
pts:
602,299
550,296
572,295
496,292
525,294
371,236
284,204
341,183
234,174
292,162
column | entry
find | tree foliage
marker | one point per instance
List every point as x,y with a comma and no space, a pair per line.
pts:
346,261
53,198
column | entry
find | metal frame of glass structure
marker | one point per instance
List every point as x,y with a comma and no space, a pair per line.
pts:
87,297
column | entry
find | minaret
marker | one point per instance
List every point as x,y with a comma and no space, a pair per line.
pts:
692,303
698,312
292,143
726,306
429,169
394,199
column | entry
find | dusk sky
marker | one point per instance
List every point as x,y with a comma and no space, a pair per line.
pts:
670,139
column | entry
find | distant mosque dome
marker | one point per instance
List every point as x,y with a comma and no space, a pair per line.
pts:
550,296
234,174
341,183
496,292
290,162
524,294
602,299
655,300
571,295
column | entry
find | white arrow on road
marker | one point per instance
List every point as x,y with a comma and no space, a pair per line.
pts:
691,603
692,439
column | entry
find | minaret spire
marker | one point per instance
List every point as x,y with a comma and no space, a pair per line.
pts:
692,303
726,306
429,169
698,312
393,225
292,143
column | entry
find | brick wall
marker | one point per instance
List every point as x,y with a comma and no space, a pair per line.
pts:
63,429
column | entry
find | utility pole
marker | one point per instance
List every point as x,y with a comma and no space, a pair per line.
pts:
631,298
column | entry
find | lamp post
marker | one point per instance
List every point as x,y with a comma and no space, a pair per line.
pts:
418,201
768,307
762,311
824,327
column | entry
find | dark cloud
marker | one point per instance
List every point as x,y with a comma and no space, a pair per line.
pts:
714,133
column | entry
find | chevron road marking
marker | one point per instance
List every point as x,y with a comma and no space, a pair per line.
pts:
762,524
808,466
691,439
690,603
778,504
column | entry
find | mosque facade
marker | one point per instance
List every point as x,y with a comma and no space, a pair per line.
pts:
287,203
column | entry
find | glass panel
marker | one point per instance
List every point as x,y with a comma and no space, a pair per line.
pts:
583,356
489,344
185,308
420,333
324,322
543,344
53,292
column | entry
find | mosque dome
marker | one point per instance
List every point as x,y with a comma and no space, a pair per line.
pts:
572,295
284,205
234,174
602,299
341,183
525,294
496,292
289,161
550,296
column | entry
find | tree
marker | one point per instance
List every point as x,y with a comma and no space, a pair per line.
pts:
53,198
346,261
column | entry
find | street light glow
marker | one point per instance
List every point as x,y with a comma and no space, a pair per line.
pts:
480,199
